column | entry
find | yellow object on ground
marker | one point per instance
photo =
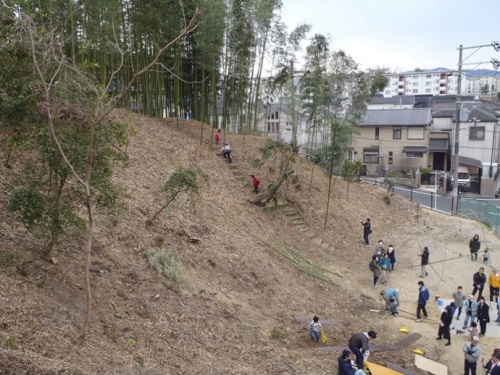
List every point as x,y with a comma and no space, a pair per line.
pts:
380,370
404,330
323,337
418,351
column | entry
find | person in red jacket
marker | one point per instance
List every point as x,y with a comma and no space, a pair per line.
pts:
217,137
255,183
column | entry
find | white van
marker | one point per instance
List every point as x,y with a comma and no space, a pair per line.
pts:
463,178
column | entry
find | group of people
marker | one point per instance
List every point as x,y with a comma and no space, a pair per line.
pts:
473,351
382,262
359,345
226,153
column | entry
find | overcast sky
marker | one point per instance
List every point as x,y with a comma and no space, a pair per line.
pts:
403,34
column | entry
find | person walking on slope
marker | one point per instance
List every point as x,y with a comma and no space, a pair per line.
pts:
367,230
217,137
424,261
474,246
423,297
360,344
255,183
459,299
483,315
472,352
226,152
478,281
444,325
470,310
315,328
375,268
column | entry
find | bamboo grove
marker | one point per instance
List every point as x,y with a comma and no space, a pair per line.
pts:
216,73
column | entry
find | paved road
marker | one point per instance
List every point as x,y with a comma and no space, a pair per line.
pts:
430,199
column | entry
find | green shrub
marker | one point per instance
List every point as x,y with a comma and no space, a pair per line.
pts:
425,170
167,265
277,333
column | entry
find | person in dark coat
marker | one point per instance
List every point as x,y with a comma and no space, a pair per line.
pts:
345,365
478,280
367,230
392,256
444,325
483,315
425,261
359,344
474,246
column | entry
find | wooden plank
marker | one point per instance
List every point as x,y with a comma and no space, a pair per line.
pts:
380,370
431,366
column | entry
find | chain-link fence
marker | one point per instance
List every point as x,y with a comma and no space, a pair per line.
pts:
480,210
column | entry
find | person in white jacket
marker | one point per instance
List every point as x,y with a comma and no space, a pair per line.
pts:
472,352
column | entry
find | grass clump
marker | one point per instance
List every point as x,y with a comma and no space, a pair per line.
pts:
167,265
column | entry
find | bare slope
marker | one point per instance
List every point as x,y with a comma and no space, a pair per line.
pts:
236,314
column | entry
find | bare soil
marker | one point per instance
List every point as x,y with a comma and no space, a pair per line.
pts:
237,312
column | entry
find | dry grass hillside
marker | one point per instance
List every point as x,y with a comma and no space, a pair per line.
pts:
249,276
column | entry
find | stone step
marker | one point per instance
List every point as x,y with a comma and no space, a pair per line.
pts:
304,229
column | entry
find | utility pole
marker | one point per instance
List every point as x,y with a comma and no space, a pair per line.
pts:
457,135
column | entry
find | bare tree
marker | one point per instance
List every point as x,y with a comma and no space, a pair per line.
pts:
89,108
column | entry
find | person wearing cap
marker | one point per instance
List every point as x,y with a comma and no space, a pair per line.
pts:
472,352
470,310
359,345
347,366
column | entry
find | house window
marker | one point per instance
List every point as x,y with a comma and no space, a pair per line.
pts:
370,157
377,132
416,133
273,127
390,157
350,155
476,133
414,154
396,133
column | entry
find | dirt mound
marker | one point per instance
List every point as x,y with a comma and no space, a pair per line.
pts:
249,272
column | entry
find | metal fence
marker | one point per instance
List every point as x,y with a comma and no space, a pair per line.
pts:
480,210
476,209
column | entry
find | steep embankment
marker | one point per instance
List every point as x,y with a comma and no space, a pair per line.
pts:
236,313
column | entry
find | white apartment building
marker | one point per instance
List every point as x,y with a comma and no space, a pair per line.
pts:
440,82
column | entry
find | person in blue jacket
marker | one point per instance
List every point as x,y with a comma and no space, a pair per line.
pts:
389,293
423,297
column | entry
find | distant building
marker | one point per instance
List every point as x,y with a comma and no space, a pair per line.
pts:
441,81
